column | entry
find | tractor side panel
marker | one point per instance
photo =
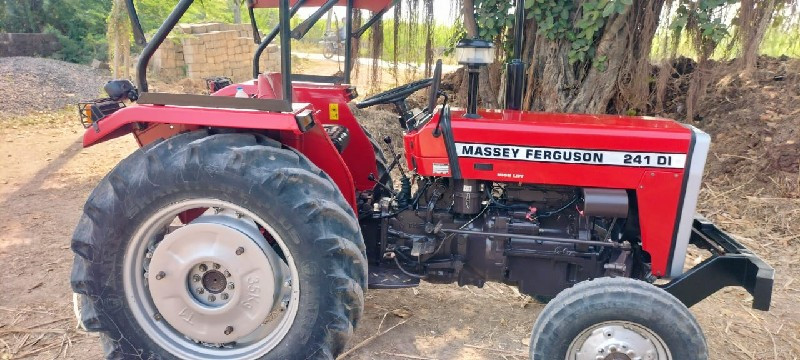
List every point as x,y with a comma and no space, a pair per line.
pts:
505,138
317,147
332,105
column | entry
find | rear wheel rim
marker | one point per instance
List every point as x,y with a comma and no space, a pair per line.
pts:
153,286
618,340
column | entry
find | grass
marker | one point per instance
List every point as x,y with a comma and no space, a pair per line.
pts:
778,41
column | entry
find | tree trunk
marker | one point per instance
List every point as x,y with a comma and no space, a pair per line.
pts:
236,7
470,26
119,33
754,18
618,85
486,93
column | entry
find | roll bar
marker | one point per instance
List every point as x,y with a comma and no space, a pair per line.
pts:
301,30
268,39
158,38
285,14
138,33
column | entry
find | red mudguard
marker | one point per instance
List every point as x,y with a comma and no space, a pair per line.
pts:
151,122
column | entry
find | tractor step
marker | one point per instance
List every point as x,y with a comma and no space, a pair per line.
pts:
390,278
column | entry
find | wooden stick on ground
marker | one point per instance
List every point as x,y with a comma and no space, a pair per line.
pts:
405,356
515,353
369,340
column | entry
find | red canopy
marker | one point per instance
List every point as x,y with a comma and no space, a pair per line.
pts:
371,5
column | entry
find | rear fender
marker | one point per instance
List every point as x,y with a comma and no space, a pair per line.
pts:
139,117
151,122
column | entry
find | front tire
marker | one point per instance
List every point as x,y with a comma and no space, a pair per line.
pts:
616,318
261,217
328,51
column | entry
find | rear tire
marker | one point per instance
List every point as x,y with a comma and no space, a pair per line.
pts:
609,317
306,222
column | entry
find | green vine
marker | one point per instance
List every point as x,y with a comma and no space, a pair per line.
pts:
581,23
554,19
704,19
493,18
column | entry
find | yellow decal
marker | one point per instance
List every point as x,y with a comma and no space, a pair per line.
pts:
333,111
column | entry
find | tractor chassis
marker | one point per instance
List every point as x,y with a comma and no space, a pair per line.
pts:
731,264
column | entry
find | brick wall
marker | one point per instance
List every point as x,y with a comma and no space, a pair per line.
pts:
198,51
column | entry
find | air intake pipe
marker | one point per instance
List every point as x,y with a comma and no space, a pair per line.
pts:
474,53
515,70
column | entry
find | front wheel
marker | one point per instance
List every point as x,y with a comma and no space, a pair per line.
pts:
616,319
223,246
329,51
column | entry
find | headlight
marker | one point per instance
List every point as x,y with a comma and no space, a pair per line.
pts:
474,52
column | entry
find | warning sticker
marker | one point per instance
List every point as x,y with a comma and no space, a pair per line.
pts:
442,169
333,112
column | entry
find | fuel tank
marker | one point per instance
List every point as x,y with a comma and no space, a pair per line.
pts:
658,161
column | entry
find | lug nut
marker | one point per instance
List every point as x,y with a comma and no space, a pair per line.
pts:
196,277
203,267
227,273
240,251
230,286
201,290
224,296
160,275
212,298
228,330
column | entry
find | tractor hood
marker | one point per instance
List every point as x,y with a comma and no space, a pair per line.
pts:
660,162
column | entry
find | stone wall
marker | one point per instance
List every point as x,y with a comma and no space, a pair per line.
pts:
199,51
37,44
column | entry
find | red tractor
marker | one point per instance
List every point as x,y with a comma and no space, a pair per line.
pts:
251,227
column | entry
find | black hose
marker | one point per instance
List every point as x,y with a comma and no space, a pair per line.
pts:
400,267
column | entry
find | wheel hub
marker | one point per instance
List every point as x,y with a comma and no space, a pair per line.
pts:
618,341
211,284
215,280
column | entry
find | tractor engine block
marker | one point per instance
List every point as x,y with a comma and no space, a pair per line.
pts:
541,238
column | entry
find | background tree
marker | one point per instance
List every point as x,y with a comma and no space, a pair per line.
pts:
236,8
594,56
119,34
78,24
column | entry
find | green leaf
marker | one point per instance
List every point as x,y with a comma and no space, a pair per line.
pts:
608,10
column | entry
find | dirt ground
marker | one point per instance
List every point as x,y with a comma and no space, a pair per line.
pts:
752,189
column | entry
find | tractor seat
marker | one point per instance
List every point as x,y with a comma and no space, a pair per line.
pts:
339,135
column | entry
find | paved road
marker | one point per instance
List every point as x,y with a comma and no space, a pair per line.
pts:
368,62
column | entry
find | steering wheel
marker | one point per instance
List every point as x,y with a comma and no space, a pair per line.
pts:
395,95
